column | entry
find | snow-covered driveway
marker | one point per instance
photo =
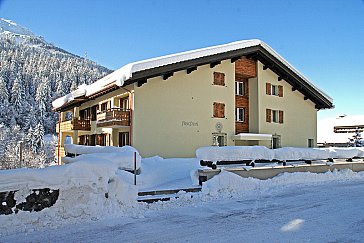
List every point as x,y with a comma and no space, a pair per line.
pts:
324,212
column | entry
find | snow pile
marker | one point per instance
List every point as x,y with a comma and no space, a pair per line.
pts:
342,153
159,173
88,190
228,184
291,153
122,157
236,153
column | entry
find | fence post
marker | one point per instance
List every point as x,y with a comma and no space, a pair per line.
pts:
135,170
20,154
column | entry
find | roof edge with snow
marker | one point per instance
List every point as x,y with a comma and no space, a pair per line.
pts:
140,72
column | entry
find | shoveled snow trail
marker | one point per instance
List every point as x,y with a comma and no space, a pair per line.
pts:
328,212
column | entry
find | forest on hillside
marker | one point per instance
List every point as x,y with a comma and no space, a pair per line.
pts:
32,74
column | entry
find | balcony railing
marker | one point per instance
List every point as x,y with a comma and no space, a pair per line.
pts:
113,117
74,124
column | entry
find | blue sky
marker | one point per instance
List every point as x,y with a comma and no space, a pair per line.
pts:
324,39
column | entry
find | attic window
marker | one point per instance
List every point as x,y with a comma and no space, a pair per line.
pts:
219,79
275,90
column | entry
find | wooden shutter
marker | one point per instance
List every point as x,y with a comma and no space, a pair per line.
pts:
280,90
219,78
268,115
268,88
280,116
219,110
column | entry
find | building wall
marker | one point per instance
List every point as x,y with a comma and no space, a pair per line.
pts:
300,116
174,117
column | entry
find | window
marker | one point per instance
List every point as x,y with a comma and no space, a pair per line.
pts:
274,116
219,79
101,139
310,143
93,112
85,114
239,115
219,139
219,110
123,139
92,141
239,88
103,107
276,90
124,103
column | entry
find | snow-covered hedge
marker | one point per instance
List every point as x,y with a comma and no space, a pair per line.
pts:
236,153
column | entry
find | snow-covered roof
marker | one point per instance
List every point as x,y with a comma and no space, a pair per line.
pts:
325,128
120,76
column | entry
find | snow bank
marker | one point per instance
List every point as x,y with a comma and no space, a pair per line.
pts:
88,190
122,157
342,153
290,153
228,184
159,173
234,153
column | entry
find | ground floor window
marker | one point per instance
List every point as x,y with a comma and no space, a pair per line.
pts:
310,143
123,139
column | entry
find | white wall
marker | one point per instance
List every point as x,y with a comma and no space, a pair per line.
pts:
161,107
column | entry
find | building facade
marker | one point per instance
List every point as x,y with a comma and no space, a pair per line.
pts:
241,93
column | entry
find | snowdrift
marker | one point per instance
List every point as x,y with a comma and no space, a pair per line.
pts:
122,157
236,153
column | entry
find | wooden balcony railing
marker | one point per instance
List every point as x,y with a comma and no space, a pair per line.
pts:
78,124
75,124
113,117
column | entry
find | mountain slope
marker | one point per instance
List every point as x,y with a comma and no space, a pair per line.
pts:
34,72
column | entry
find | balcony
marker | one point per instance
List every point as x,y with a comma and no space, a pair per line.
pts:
115,117
74,124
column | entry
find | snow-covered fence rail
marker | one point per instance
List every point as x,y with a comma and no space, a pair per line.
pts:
216,154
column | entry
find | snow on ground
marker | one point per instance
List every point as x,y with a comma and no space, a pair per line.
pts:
288,207
298,207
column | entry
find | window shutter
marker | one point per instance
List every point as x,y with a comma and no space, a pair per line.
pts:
281,117
219,78
215,109
222,110
280,90
219,110
268,115
268,87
